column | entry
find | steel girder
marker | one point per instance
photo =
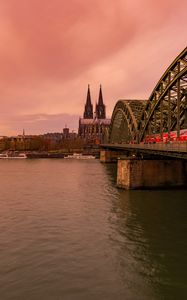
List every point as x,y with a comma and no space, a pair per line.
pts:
166,109
125,119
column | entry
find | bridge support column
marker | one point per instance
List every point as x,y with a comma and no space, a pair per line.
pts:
107,156
133,173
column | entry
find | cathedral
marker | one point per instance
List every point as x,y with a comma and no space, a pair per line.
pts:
93,124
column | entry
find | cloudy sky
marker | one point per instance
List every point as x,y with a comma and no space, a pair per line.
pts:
51,50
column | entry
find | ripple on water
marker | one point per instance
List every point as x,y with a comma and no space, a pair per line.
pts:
67,232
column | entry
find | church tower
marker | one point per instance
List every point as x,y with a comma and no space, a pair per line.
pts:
100,107
88,110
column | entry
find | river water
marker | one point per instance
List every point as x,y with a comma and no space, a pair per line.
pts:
67,232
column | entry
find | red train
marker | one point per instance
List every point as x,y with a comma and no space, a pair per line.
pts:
156,138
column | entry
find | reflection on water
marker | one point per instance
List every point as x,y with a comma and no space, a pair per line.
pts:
153,226
67,232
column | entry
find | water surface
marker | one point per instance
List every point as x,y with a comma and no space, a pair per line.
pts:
68,233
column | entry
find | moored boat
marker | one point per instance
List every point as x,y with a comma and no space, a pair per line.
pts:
3,155
80,156
45,155
13,155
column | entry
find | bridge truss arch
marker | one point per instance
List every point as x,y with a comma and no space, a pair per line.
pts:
124,121
166,109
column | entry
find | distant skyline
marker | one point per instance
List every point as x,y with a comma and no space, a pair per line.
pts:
51,50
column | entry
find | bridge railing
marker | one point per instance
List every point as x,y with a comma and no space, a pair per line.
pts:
180,147
172,146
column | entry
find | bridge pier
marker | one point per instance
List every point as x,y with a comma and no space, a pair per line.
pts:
107,156
134,173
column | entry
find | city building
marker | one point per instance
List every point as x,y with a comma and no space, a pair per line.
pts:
66,132
94,123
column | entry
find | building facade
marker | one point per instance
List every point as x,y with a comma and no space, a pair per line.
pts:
94,123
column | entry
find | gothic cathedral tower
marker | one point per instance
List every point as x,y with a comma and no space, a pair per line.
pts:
88,110
93,126
100,107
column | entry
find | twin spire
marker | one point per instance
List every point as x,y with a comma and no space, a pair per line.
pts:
99,109
88,110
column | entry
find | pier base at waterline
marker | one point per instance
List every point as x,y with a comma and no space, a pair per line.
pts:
134,173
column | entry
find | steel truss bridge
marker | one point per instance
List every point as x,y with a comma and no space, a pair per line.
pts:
165,111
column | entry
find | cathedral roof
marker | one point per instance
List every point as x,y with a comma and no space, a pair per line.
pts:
94,121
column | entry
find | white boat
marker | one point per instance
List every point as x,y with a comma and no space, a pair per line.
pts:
80,156
13,156
3,155
21,155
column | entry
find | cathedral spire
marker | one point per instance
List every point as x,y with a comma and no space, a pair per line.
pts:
88,99
100,101
100,107
88,111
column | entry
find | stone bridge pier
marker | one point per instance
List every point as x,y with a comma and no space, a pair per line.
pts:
134,173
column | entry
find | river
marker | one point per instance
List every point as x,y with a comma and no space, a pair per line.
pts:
68,233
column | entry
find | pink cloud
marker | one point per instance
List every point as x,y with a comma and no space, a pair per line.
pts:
38,123
59,40
51,50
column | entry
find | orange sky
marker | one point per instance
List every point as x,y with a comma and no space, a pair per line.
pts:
51,49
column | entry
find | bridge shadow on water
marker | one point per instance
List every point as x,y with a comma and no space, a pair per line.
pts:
151,226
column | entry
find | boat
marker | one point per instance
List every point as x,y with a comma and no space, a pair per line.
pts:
13,156
20,155
44,155
3,155
80,156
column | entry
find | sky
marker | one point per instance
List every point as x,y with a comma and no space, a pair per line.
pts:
51,50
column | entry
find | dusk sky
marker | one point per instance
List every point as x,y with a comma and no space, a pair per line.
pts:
52,49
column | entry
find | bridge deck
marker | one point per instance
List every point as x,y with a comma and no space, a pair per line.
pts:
173,149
